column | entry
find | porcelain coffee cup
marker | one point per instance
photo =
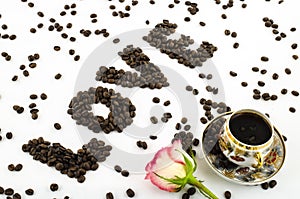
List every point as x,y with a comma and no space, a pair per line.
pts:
239,140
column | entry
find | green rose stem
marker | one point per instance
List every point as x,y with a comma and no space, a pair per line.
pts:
203,189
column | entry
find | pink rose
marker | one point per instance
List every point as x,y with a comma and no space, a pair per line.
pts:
172,168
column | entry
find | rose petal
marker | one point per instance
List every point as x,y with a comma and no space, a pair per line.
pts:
163,184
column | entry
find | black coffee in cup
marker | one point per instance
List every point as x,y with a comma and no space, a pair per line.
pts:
250,129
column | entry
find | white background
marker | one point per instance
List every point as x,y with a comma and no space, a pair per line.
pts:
255,41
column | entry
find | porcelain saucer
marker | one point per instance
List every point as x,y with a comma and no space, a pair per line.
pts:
235,173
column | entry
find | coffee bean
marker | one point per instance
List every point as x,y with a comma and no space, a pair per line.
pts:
295,57
292,109
32,65
1,190
283,35
9,191
227,194
57,48
196,142
34,116
255,69
125,173
40,14
76,58
265,185
224,16
195,92
294,46
73,12
43,96
263,71
156,100
265,59
71,52
202,23
33,96
284,91
293,29
185,196
227,32
109,195
203,120
167,103
57,76
187,127
272,183
184,120
118,168
29,192
244,5
130,193
236,45
233,74
57,126
234,34
154,120
275,76
15,78
278,38
18,167
117,40
54,187
295,93
32,30
188,88
288,71
261,83
153,137
9,135
187,19
11,167
244,84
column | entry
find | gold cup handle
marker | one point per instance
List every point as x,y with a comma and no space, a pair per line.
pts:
259,160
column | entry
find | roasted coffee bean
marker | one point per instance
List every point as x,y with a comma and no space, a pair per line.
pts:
187,127
178,126
185,196
295,57
76,58
284,138
255,69
288,71
244,84
295,93
283,35
1,190
118,168
202,23
278,38
188,88
227,194
264,58
195,92
272,183
153,137
32,65
57,76
109,195
130,193
43,96
224,16
292,109
184,120
236,45
29,192
33,96
32,30
18,167
294,46
15,78
57,126
293,29
156,100
125,173
284,91
261,83
203,120
117,40
187,19
227,32
275,76
71,52
233,74
154,120
265,185
34,116
234,34
54,187
9,191
167,103
40,14
191,191
263,71
11,167
57,48
9,135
